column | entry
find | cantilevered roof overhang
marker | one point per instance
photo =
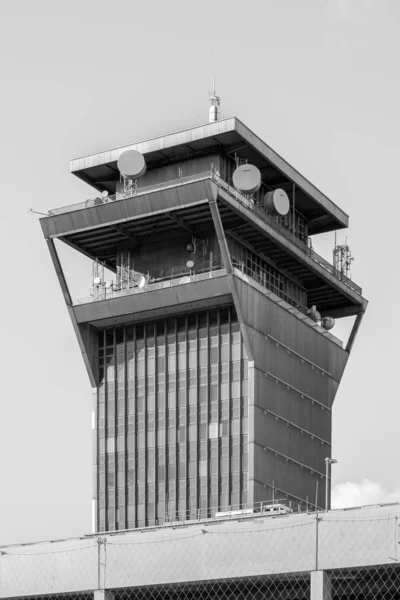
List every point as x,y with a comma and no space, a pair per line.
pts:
228,137
98,231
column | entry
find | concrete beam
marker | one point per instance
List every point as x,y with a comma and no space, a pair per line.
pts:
80,334
226,257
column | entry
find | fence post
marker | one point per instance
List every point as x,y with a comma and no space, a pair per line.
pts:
321,586
101,593
317,520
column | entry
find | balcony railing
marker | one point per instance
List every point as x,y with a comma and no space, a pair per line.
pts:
104,293
246,202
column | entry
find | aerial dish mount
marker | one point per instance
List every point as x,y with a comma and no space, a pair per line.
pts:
131,165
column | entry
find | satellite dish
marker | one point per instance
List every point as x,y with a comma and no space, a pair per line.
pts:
131,164
247,179
104,194
328,323
142,282
190,264
97,280
276,203
108,284
184,280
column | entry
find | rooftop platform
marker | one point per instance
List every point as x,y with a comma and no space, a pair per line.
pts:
98,230
228,137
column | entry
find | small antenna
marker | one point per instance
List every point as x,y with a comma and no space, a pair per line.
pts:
31,211
215,102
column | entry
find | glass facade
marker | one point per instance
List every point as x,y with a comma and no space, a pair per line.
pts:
172,419
271,278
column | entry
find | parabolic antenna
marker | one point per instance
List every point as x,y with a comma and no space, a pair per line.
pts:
131,164
104,194
247,179
328,323
97,280
276,203
142,282
190,264
108,284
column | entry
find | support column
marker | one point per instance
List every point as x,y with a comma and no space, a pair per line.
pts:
103,595
321,586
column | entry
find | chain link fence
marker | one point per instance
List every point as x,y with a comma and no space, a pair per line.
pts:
253,557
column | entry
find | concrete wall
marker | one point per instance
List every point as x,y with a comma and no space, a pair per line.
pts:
207,551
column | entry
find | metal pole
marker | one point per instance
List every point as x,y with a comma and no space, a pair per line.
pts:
327,483
294,211
316,495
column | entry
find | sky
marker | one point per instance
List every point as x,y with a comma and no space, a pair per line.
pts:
318,81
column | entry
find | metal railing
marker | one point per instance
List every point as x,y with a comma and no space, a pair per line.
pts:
272,508
177,279
91,202
233,193
306,248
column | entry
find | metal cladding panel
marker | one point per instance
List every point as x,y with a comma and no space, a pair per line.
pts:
49,568
130,208
152,300
269,318
286,476
292,407
206,553
289,440
297,373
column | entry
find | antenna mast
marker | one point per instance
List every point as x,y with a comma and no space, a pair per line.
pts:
215,102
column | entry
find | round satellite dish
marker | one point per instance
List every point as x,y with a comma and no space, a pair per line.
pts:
104,194
247,179
142,282
276,203
131,164
108,284
97,280
184,280
328,323
190,264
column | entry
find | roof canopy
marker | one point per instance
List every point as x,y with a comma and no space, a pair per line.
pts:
228,136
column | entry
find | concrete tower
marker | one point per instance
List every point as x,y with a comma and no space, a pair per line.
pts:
213,371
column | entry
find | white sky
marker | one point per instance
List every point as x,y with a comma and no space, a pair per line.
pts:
318,81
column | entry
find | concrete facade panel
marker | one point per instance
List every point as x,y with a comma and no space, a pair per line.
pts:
49,568
344,542
209,552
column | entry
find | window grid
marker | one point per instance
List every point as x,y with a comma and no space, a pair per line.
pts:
268,276
171,405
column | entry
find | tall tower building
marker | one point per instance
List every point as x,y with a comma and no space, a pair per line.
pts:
207,335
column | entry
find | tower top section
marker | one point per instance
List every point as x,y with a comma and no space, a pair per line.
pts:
215,103
226,137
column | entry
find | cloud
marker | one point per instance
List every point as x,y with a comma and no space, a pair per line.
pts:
352,493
